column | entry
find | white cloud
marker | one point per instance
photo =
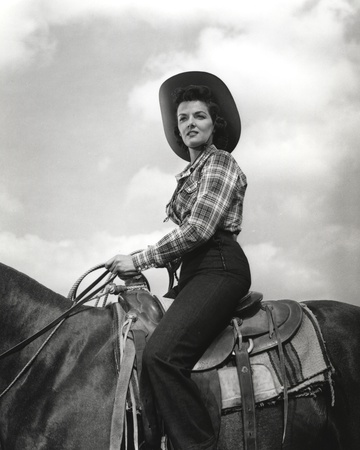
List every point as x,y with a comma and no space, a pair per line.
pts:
58,264
13,29
25,23
143,101
8,203
104,164
152,185
309,268
289,68
23,32
281,273
316,266
289,83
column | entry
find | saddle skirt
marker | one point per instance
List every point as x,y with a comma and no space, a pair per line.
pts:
306,363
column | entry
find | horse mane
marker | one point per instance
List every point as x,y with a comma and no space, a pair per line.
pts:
11,280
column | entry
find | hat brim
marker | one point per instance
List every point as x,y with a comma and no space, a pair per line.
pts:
222,96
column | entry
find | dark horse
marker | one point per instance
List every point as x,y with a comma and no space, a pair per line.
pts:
65,398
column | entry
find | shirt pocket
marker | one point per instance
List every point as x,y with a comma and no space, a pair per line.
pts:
187,195
191,187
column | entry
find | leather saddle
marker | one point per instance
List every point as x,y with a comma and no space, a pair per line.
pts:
145,308
262,323
257,322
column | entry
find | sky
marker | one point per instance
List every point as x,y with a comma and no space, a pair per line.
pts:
86,170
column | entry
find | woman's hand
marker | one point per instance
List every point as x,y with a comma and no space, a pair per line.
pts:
122,265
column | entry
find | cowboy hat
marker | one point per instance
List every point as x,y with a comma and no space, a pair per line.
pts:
221,96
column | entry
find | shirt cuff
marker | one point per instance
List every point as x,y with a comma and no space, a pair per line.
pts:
144,260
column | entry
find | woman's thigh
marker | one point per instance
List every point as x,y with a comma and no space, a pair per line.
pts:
201,310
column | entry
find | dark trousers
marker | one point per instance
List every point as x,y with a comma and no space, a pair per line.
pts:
213,278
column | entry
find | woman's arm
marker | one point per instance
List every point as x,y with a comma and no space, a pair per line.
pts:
221,181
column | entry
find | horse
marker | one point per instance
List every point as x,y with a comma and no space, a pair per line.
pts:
57,392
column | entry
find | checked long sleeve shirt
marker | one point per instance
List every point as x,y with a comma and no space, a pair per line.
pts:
209,197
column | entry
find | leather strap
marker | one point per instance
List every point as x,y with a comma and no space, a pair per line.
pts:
140,342
274,329
64,315
247,392
118,416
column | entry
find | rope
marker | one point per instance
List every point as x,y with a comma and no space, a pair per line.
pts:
73,290
75,286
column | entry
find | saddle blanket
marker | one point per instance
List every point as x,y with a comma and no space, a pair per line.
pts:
306,363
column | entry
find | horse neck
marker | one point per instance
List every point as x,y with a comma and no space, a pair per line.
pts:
25,304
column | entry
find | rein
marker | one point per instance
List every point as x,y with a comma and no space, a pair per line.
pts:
79,300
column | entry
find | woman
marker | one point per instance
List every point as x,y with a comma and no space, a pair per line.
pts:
207,207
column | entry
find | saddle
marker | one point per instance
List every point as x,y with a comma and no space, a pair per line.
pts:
257,322
256,327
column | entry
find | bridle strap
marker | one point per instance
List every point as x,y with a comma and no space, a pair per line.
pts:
64,315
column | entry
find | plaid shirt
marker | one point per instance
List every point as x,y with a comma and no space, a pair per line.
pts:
209,197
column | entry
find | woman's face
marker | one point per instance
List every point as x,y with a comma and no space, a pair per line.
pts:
195,124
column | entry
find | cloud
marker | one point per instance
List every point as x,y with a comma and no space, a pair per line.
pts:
297,89
26,24
8,203
104,164
13,29
143,101
316,266
288,76
58,264
277,274
145,197
150,184
23,32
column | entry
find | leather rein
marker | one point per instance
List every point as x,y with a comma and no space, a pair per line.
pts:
78,301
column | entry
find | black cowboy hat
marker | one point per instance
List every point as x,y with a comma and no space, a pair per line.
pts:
222,96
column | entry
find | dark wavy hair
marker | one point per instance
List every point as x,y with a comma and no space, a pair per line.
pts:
202,94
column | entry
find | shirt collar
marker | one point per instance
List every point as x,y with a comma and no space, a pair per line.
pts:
192,166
